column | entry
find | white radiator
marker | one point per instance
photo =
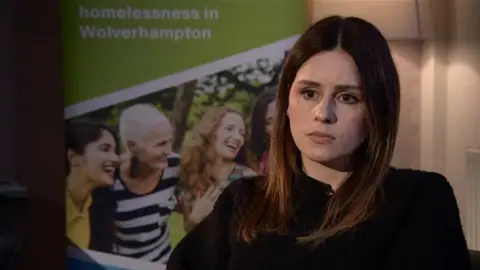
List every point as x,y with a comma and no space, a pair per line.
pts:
473,198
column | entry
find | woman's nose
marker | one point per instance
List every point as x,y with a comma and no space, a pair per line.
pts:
115,158
325,111
237,136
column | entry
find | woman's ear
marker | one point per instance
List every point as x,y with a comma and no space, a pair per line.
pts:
73,158
132,146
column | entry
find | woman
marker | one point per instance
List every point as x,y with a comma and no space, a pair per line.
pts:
261,127
331,199
92,158
208,162
144,190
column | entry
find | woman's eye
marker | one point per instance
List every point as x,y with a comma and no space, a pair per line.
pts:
309,94
348,98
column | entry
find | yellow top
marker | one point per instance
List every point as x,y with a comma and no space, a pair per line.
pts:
78,222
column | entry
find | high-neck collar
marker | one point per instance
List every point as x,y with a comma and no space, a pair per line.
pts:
305,184
309,195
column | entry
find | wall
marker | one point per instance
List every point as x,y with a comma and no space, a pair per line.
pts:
408,58
463,94
433,75
450,78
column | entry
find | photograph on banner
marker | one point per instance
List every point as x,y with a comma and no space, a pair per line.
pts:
166,103
158,162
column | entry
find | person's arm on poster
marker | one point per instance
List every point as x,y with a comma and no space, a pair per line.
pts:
431,237
201,207
207,245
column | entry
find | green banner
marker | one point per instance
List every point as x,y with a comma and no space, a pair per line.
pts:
167,103
111,45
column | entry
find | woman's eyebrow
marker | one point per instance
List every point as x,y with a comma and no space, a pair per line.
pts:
339,86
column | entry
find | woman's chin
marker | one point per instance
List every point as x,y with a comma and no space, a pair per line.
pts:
331,160
159,165
229,155
107,181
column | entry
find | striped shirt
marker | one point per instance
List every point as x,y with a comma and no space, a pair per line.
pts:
141,220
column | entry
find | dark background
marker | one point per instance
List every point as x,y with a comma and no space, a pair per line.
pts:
6,95
31,119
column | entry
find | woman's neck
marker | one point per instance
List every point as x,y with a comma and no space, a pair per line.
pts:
222,169
144,182
146,172
331,175
79,189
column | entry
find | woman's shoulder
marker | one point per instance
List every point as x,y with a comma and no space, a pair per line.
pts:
422,186
416,179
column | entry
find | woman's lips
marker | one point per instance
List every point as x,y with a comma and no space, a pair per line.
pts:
321,137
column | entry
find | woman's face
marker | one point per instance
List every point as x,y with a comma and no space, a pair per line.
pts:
230,136
326,108
269,117
156,147
99,160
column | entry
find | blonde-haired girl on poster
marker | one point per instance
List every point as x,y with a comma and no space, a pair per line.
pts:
208,162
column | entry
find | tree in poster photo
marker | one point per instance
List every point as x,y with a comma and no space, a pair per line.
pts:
261,126
91,160
144,190
208,162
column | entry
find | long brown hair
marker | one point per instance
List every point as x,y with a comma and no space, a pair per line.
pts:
356,199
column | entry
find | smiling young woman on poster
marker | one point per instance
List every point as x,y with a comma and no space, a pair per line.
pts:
331,199
208,162
92,158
